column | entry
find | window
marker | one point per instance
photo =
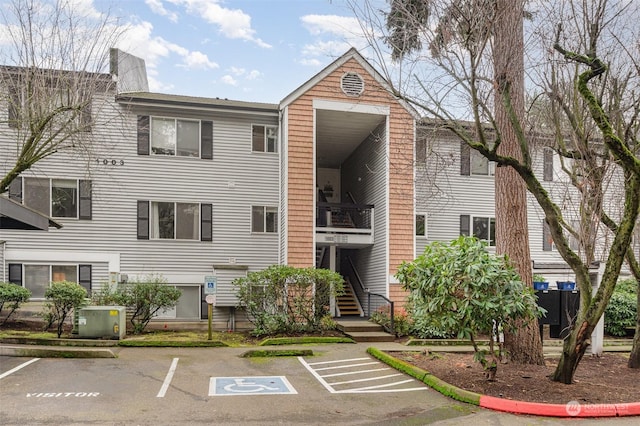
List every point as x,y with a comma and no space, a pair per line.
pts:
59,198
421,225
547,164
484,228
175,137
170,136
30,101
180,221
474,163
264,219
421,151
264,138
37,278
174,221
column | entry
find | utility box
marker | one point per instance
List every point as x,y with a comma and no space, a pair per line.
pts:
102,322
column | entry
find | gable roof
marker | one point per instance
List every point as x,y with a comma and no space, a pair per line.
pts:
350,54
16,216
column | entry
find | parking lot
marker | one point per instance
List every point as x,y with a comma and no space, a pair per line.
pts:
340,384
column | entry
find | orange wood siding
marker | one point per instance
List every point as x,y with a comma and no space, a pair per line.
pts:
301,207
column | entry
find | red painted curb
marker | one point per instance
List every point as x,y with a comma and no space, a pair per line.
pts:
571,409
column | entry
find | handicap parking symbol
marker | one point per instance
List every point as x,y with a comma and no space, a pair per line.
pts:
257,385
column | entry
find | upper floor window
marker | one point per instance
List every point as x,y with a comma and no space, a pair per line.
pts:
179,221
421,225
264,138
483,228
175,137
58,198
162,220
170,136
474,163
264,219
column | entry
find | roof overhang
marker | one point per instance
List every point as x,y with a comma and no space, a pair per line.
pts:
16,216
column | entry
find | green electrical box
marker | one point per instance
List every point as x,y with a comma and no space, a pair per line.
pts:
102,322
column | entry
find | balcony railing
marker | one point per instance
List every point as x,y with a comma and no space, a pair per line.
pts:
344,218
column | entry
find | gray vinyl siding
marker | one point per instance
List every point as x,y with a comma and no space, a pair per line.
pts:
443,194
364,174
226,293
233,181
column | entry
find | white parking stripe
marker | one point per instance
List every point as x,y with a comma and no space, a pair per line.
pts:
167,380
365,380
367,389
337,361
355,372
346,366
13,370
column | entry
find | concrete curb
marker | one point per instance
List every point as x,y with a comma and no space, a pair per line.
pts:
571,410
57,352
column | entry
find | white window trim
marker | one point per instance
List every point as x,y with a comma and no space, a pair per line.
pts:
264,224
266,126
50,212
50,266
472,217
175,121
151,221
424,236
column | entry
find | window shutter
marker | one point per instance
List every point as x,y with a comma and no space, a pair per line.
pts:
15,273
143,135
206,140
206,228
465,159
15,190
84,277
85,113
85,200
548,164
465,221
13,112
547,239
143,220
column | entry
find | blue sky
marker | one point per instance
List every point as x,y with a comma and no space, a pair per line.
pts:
250,50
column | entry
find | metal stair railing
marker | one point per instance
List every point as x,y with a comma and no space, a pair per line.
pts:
374,300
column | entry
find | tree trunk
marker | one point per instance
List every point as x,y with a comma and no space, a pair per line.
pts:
575,345
634,356
512,233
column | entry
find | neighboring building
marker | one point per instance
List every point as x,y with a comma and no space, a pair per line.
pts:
190,187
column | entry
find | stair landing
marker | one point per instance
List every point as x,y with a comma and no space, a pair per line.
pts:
362,330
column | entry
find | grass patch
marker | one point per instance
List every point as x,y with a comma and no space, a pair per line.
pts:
274,341
264,353
143,343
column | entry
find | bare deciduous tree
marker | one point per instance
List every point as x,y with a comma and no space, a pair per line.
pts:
53,80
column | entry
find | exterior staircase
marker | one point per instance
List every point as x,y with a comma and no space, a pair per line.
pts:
347,302
362,330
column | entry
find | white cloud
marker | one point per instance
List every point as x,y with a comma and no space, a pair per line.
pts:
198,60
227,79
333,35
247,75
342,26
232,23
158,8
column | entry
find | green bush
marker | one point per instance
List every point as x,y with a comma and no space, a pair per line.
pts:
462,288
11,297
62,298
621,312
284,299
145,298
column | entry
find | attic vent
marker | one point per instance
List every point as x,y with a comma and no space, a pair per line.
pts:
352,84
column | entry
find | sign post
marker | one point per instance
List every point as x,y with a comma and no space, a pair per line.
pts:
210,287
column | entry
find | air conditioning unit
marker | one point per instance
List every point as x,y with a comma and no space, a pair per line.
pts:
102,322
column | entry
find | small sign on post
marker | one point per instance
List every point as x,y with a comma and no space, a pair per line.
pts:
210,287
